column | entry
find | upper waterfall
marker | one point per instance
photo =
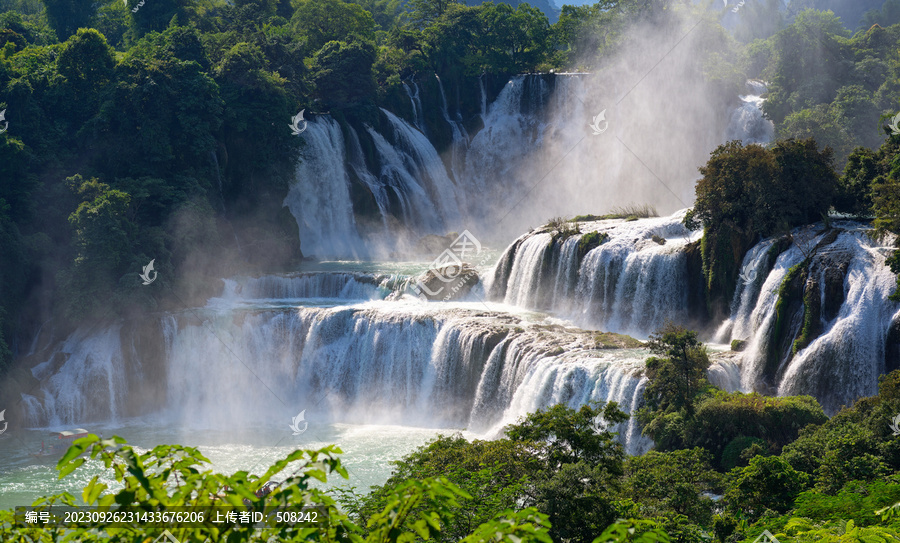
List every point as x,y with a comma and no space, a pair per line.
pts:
747,120
409,186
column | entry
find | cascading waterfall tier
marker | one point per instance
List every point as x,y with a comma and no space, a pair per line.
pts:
811,307
340,285
412,192
814,310
389,362
630,283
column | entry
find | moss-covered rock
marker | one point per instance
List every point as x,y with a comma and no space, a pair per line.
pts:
892,347
611,340
738,344
789,307
590,241
812,316
723,250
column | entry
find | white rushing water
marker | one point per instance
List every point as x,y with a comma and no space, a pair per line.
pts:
404,363
412,191
747,122
320,196
628,284
844,361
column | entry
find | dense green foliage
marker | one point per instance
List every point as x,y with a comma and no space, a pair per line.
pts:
827,85
793,471
750,191
678,371
556,460
170,477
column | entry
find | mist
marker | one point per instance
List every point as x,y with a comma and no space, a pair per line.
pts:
666,96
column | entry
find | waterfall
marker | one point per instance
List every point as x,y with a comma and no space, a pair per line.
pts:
412,160
497,151
319,198
337,285
851,284
389,362
460,141
410,188
747,121
628,284
215,162
416,103
483,95
631,284
84,379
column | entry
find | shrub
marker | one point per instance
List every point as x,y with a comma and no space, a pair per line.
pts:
562,228
727,416
733,454
768,483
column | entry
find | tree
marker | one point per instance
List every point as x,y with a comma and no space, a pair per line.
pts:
854,192
670,483
768,483
424,12
513,40
806,182
493,473
67,16
87,62
581,467
749,191
811,64
880,171
321,21
156,16
678,373
571,435
103,241
556,460
342,73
